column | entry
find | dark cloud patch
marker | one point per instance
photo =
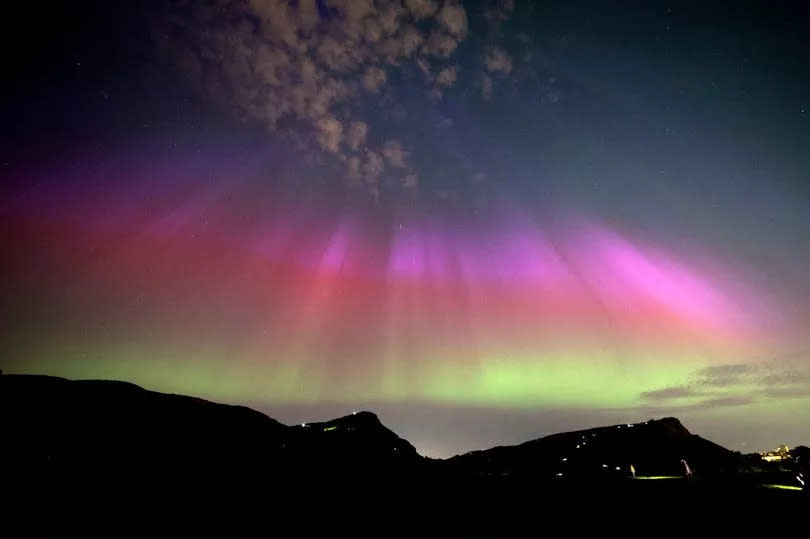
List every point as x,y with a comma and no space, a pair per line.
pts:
677,406
788,392
786,377
678,392
731,385
769,378
723,375
726,370
721,402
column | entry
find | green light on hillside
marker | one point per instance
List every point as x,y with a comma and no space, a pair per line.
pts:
327,429
783,487
659,477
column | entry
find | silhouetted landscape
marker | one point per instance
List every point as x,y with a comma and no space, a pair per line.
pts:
107,458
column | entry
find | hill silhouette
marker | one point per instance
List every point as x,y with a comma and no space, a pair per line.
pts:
101,458
661,447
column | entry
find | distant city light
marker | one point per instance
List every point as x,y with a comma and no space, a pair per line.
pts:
782,452
564,459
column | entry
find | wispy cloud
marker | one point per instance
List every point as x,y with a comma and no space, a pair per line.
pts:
670,393
732,385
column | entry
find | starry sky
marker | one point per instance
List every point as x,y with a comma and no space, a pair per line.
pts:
487,221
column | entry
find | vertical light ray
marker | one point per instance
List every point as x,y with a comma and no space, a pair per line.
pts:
304,306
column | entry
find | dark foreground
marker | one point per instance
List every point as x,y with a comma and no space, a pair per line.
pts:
109,459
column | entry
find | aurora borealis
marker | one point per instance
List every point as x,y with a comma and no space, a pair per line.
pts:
599,248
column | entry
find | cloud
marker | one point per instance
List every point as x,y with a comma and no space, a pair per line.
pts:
732,385
353,10
330,133
726,370
447,76
373,78
411,182
337,55
395,154
678,392
411,39
498,61
356,135
353,170
788,392
787,376
305,69
453,18
391,17
421,9
372,168
672,398
500,13
677,407
721,402
722,375
440,44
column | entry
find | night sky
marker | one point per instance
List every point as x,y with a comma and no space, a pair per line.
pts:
485,221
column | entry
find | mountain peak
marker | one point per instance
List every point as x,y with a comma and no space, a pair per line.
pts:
359,435
671,425
362,417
